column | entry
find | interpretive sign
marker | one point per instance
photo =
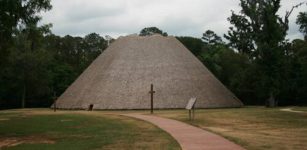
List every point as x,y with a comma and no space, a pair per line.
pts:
191,103
190,107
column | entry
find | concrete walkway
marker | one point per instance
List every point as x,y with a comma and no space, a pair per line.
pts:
189,137
290,110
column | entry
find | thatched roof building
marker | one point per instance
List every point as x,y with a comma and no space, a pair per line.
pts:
120,78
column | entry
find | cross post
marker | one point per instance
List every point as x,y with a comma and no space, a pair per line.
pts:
151,92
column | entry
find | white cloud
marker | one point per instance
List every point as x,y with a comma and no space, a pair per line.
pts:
122,17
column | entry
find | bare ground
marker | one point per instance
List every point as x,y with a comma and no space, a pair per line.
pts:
33,139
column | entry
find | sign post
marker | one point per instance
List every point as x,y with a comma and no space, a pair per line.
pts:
151,92
191,108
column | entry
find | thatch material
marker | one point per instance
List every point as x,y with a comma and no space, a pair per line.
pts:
120,78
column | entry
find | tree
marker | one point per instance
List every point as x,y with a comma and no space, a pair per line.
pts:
240,36
70,56
195,45
209,37
14,12
36,64
28,63
259,32
299,54
94,45
302,21
297,78
21,57
152,30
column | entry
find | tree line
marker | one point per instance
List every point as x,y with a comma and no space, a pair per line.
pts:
36,65
256,61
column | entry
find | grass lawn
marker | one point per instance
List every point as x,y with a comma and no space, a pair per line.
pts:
300,109
43,129
255,128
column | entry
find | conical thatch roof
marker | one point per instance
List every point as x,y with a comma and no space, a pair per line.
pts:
120,78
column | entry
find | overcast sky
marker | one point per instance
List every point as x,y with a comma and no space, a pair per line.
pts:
123,17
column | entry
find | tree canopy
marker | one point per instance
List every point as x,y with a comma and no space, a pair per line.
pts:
259,32
14,13
302,22
209,37
152,30
195,45
36,64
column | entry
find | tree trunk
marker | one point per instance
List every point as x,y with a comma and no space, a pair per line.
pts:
271,102
23,99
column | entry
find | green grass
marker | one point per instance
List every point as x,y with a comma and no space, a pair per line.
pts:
300,109
255,128
42,129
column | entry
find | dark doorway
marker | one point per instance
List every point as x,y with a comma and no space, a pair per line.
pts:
90,107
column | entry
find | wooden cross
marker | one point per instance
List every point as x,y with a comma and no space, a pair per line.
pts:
151,98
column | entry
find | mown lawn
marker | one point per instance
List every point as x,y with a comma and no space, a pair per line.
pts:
255,128
41,129
300,109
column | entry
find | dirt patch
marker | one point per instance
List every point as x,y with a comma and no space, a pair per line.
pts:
14,141
4,119
217,129
81,136
76,127
66,120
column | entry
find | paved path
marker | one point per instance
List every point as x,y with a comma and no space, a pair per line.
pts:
189,137
290,110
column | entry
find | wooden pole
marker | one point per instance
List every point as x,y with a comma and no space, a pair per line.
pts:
23,99
151,98
151,106
193,109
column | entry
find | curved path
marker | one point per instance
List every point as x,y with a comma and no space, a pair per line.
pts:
290,110
189,137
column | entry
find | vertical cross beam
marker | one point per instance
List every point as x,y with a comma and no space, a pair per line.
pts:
151,98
